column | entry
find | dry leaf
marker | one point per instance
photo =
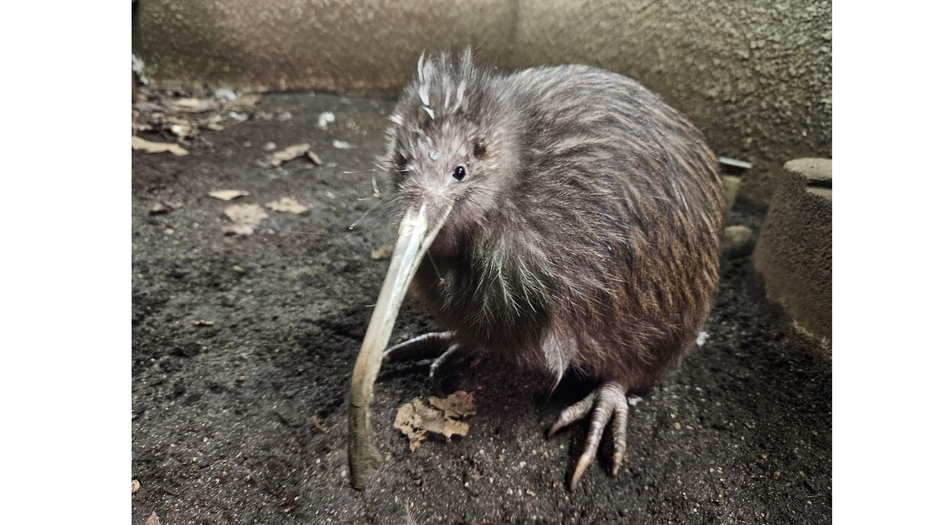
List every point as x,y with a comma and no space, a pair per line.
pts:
453,427
202,322
153,520
340,144
245,218
246,101
457,405
192,105
418,421
164,207
158,147
287,204
148,107
382,252
288,153
226,195
315,159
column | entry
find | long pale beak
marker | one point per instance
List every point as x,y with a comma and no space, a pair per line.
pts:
415,237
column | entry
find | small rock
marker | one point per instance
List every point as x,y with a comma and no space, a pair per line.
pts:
290,416
737,241
315,159
225,94
135,486
324,119
269,146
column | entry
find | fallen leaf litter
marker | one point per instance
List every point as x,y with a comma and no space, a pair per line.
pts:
158,147
418,422
287,204
245,218
226,195
289,153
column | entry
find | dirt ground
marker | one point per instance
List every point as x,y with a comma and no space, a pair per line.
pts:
243,348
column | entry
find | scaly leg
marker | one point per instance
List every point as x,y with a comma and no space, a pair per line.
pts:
609,399
435,345
431,345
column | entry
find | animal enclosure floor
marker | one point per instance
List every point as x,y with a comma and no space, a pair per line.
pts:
243,346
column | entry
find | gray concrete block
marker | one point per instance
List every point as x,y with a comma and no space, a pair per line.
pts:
793,253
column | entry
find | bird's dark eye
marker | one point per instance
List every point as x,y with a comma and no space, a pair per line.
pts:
479,150
401,163
459,172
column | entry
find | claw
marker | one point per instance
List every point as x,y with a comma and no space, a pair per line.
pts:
441,361
425,346
573,413
609,400
436,345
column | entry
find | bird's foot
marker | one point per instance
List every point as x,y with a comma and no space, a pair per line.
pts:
608,400
427,346
434,345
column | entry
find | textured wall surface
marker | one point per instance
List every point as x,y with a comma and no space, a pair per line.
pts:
755,76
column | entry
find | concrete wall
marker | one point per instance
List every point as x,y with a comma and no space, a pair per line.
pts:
755,76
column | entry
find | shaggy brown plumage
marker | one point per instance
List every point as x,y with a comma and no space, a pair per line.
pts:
584,226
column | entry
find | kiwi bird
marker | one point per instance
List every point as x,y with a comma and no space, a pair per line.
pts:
558,217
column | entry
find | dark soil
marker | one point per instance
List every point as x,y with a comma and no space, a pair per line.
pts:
243,421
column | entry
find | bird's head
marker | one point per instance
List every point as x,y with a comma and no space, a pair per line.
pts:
452,148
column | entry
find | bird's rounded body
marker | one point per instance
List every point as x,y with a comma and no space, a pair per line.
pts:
562,217
589,236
